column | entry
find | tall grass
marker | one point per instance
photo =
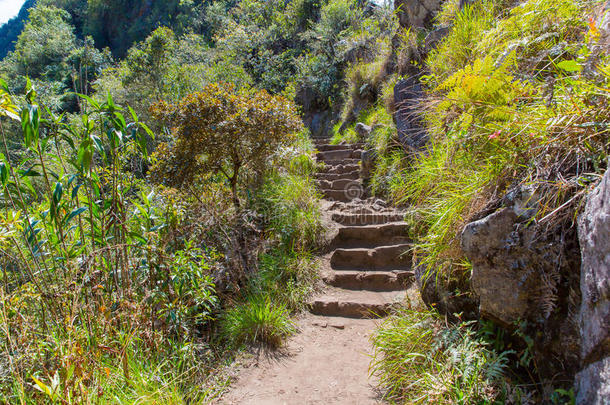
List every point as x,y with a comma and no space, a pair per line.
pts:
257,320
419,360
108,285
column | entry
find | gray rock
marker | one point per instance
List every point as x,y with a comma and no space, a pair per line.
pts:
363,130
503,288
594,236
367,163
591,384
435,37
408,94
525,271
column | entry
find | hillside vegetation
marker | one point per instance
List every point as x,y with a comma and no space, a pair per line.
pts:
159,210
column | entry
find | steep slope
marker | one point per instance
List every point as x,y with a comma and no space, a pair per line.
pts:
9,32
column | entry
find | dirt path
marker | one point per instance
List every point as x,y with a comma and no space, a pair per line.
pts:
327,362
366,273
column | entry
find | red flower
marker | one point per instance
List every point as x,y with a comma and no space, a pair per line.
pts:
495,134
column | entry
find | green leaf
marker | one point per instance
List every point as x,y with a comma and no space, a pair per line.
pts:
58,192
29,172
3,173
42,387
138,237
74,213
75,190
569,66
4,85
85,154
91,101
148,131
133,114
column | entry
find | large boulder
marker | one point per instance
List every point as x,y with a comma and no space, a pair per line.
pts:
593,382
526,271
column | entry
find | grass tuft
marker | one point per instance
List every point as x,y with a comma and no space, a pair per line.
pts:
257,320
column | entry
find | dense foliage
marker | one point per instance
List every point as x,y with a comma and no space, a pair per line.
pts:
222,129
113,285
135,258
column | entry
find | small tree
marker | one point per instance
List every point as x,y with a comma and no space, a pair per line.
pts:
223,130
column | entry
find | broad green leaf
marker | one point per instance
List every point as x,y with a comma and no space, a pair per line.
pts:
3,173
85,154
74,213
91,101
569,66
58,192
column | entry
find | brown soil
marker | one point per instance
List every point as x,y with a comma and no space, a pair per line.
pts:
327,362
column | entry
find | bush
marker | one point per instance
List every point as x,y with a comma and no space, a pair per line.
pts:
419,360
223,130
95,286
287,276
290,207
257,320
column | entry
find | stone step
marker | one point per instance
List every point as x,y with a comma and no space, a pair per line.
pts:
343,168
342,162
329,147
354,175
356,304
393,233
343,195
362,219
340,154
371,281
395,257
340,184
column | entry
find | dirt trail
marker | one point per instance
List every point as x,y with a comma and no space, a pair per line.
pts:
365,274
327,362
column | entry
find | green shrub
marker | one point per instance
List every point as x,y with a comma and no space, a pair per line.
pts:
289,204
456,50
504,111
223,130
257,320
287,276
419,360
379,119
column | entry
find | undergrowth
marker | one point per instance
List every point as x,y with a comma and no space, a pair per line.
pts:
257,320
527,104
418,360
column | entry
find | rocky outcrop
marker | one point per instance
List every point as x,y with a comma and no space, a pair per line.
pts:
593,382
525,271
317,117
416,13
408,94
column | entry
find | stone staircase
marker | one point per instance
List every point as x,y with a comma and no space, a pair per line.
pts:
369,267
